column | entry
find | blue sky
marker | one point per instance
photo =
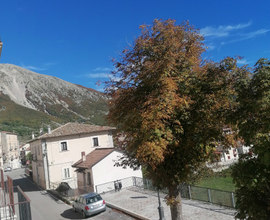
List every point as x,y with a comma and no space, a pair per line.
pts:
75,40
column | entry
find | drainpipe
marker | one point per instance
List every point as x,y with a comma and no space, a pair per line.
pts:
45,160
47,165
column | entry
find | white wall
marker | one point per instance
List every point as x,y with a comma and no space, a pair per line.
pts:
229,155
105,171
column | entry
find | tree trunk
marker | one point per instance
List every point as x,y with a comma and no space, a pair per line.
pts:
176,207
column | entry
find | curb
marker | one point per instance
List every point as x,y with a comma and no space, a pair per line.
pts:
132,214
68,202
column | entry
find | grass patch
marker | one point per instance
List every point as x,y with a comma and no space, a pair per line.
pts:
220,180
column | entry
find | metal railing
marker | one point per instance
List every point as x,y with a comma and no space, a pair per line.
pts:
14,204
219,197
119,184
24,205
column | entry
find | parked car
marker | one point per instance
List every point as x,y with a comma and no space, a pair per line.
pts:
7,169
89,204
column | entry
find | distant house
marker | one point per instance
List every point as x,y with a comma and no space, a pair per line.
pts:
228,154
97,168
244,149
9,150
24,150
54,153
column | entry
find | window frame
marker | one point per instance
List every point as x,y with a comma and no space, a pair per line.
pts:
66,170
61,144
93,141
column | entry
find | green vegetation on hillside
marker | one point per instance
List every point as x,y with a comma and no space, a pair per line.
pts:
23,121
220,180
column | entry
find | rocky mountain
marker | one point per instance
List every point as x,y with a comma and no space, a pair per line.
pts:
51,97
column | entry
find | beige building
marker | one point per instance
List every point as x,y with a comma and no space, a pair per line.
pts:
54,153
9,150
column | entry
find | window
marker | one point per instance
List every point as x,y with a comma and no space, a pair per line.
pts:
88,178
81,200
66,173
63,146
93,199
95,142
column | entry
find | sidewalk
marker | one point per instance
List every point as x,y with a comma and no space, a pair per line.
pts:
144,204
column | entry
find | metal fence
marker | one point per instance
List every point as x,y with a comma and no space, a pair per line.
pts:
219,197
14,204
20,209
119,184
24,205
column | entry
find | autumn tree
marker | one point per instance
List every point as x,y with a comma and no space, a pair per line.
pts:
252,116
170,104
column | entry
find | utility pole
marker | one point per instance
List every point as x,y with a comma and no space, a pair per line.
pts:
160,209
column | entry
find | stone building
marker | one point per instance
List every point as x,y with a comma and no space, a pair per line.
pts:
9,150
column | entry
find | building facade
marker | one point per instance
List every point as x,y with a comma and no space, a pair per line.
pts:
9,150
54,152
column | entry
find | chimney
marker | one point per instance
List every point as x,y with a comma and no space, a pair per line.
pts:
49,129
41,131
33,135
83,156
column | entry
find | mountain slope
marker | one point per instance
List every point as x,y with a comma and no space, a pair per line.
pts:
53,98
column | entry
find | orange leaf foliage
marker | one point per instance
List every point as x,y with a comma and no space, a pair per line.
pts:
170,104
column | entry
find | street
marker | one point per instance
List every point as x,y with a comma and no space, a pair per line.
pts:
46,207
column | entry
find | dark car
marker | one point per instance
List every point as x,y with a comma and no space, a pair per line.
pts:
89,204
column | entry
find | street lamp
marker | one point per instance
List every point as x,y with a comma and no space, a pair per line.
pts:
160,209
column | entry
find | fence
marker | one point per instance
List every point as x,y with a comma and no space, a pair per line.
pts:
219,197
114,185
24,205
14,204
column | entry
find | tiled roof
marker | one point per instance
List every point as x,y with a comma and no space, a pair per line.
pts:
94,157
8,132
75,128
219,148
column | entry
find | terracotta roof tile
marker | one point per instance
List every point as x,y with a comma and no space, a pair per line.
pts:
93,158
75,128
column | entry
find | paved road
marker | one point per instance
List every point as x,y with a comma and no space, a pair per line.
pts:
46,207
